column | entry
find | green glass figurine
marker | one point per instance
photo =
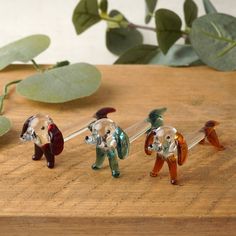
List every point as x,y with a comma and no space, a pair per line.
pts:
114,142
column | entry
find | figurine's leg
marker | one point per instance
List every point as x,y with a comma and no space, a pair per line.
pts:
113,162
157,166
172,163
211,134
38,153
213,140
49,156
202,141
100,157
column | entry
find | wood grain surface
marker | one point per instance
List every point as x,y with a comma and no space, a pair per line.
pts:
72,199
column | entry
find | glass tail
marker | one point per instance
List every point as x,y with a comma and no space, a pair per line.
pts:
138,129
72,132
193,139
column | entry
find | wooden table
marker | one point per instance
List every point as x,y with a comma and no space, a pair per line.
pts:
72,199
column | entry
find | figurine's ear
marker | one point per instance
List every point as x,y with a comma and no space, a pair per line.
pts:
50,120
122,143
149,141
57,141
182,148
26,125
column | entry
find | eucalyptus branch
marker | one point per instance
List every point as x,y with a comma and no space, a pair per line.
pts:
5,92
36,66
122,22
108,18
131,25
151,14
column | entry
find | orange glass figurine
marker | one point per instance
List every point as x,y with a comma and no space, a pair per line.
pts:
172,147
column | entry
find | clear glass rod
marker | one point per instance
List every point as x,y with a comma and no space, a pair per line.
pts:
193,139
72,132
138,129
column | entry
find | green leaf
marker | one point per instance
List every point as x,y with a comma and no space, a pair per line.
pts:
61,84
208,6
140,54
85,15
168,25
190,12
5,125
119,40
23,50
150,7
213,37
103,5
178,55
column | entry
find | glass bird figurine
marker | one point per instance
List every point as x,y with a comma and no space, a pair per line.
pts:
172,147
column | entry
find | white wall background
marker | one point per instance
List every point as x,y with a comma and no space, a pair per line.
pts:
19,18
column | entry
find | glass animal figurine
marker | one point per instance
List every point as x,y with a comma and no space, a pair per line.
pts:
47,138
172,147
110,140
114,142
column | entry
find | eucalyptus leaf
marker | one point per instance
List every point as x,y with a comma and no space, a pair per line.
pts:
190,12
150,7
178,55
5,125
208,6
103,5
119,40
85,15
23,50
61,84
168,25
140,54
213,37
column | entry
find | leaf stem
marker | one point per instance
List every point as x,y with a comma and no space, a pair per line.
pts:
131,25
151,14
123,23
108,18
5,92
186,31
36,66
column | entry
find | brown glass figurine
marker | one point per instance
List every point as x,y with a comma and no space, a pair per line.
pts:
172,147
47,138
